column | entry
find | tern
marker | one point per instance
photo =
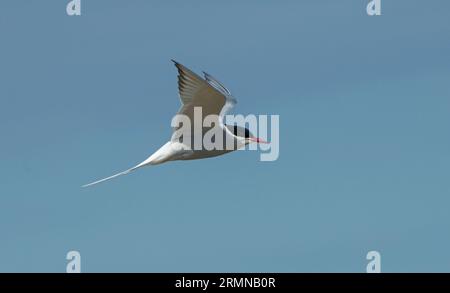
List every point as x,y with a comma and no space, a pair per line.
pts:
214,99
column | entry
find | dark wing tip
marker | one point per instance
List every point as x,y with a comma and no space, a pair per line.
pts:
177,64
180,66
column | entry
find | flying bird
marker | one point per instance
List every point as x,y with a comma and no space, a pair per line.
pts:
214,99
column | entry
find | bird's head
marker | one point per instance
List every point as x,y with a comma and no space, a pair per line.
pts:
244,134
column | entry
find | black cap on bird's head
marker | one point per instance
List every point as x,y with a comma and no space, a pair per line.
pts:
243,132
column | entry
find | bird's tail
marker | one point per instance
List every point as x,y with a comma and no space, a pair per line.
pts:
110,177
152,160
148,161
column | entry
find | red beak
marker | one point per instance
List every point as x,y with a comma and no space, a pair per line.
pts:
257,140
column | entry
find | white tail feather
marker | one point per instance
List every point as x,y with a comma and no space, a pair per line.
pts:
110,177
162,155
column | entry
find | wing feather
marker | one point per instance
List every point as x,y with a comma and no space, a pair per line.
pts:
209,94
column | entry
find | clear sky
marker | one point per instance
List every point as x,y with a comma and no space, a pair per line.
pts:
364,160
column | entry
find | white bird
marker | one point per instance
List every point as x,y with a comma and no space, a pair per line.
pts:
214,99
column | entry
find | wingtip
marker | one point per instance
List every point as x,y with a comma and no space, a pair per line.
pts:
177,64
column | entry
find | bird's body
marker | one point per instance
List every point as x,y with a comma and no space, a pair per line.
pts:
213,99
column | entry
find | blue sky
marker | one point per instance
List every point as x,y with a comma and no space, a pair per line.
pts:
364,136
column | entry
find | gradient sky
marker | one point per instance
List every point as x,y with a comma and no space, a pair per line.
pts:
364,160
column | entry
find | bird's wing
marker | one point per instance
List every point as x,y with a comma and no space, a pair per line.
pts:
217,84
230,101
209,94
